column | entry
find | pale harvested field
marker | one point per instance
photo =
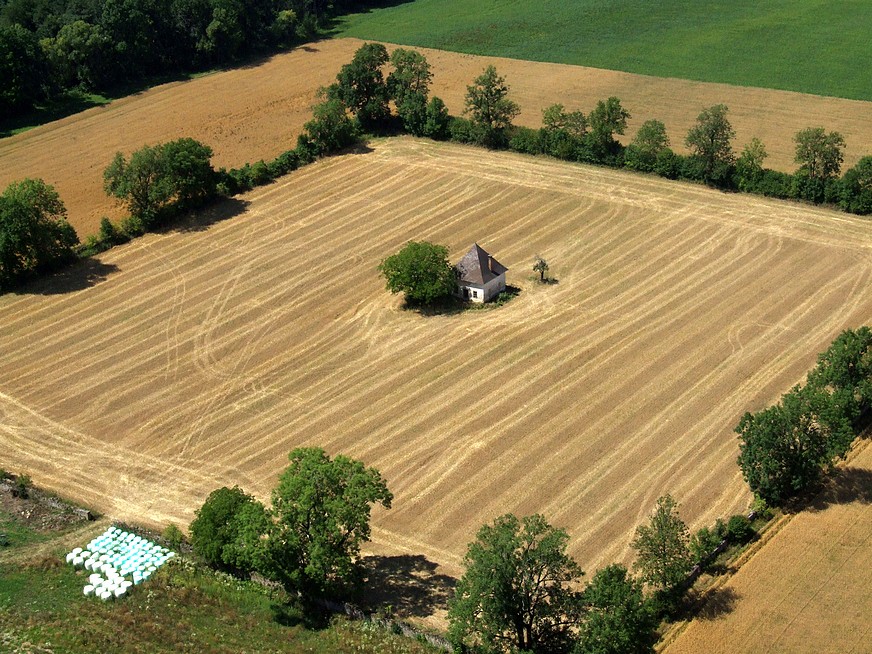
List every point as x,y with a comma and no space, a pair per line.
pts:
200,358
256,113
808,589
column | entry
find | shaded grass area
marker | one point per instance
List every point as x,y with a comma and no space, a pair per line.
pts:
184,608
812,46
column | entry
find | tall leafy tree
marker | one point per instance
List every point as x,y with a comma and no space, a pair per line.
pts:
490,108
517,592
409,87
563,131
749,165
34,233
411,75
81,55
844,372
710,144
662,547
618,619
320,517
331,128
176,173
607,119
819,155
784,448
421,271
650,141
361,86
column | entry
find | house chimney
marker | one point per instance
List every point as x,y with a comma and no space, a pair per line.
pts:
490,263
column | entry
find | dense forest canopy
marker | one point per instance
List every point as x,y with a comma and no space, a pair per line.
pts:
49,47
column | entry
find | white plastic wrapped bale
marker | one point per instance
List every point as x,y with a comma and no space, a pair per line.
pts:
88,590
119,560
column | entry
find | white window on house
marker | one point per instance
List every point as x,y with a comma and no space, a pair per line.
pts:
475,294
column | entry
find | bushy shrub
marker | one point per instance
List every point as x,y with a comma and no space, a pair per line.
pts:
132,226
761,509
220,532
526,140
775,184
668,164
436,120
173,536
462,130
331,128
739,530
108,233
283,164
856,188
706,539
307,149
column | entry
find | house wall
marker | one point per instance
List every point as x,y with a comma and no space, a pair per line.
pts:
476,292
484,293
494,287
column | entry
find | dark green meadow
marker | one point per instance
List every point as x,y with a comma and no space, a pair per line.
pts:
812,46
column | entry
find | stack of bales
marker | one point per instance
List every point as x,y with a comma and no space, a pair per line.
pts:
114,556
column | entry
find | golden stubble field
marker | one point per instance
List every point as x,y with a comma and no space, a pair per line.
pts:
257,112
807,590
197,358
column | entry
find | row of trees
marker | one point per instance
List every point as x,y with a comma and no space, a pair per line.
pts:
51,46
158,181
712,160
520,591
786,449
362,92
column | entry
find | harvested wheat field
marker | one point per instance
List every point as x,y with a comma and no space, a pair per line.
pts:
188,360
807,589
257,112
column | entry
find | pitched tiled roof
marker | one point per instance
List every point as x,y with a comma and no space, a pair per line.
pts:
478,267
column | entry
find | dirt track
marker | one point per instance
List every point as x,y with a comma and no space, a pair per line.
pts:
188,360
256,112
807,590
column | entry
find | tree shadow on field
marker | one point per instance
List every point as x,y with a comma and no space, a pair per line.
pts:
201,219
847,485
78,276
357,148
408,583
718,602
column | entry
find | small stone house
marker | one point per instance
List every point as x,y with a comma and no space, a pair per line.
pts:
480,277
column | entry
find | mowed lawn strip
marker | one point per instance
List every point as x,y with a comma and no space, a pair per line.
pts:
811,46
207,355
257,112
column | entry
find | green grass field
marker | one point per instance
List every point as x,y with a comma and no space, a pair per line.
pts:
813,46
